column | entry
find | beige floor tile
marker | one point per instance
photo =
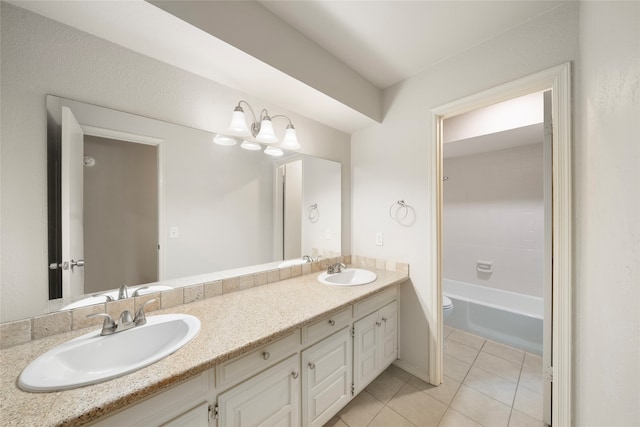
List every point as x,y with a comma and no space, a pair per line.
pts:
506,352
444,392
507,370
492,385
418,407
533,362
335,422
456,369
361,410
528,402
466,338
385,386
460,351
531,379
481,408
518,419
453,418
447,330
398,373
387,418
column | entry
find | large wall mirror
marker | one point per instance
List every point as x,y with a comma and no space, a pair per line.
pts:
137,201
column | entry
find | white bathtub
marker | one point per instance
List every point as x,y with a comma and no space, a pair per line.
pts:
507,317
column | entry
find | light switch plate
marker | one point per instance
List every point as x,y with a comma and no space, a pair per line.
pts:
379,240
173,233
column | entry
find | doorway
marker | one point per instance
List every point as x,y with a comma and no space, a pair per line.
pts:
558,373
496,192
120,213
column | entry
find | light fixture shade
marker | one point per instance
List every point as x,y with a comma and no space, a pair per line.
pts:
238,125
290,141
273,151
250,145
224,140
266,134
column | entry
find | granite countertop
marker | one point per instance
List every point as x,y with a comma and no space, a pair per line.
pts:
231,325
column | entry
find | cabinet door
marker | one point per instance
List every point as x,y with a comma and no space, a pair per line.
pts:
365,354
271,398
388,316
326,378
196,417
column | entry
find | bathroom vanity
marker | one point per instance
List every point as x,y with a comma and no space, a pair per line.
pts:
294,351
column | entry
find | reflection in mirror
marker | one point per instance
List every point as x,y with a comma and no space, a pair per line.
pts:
135,201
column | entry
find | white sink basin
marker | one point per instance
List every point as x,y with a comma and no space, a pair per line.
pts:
348,277
92,358
98,299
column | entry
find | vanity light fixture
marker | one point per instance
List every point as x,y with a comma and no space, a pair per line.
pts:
273,151
261,129
224,140
250,145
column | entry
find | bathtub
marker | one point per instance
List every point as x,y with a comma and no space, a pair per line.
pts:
507,317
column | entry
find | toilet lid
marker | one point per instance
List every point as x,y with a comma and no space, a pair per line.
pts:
446,302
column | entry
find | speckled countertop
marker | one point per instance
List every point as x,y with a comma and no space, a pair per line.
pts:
231,325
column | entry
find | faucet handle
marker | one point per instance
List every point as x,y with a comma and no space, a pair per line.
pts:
108,326
141,318
136,292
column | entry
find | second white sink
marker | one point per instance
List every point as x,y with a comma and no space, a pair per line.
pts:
348,277
92,358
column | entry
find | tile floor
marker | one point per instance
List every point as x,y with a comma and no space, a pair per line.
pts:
486,384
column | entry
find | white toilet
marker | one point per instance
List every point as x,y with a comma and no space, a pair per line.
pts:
447,306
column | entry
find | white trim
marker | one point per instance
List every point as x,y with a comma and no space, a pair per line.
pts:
558,79
147,140
121,136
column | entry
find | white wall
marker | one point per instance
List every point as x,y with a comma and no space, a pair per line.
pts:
607,217
493,210
389,160
320,179
41,56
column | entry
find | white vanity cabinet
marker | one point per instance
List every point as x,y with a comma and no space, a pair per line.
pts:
302,379
375,344
271,398
185,404
326,378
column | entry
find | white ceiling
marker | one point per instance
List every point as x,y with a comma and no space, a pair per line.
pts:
384,41
390,41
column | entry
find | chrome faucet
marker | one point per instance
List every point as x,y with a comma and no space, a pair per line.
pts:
126,321
336,268
307,258
122,292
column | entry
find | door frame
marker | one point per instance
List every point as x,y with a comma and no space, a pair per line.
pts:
558,79
145,140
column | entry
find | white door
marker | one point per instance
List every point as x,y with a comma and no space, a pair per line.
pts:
547,286
389,334
72,148
326,378
269,399
365,351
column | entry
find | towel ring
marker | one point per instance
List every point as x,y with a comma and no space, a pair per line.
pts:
401,206
312,212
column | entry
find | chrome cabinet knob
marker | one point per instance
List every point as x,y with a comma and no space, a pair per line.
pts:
378,323
384,319
295,375
312,365
332,322
266,355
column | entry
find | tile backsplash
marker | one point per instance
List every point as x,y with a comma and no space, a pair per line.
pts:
23,331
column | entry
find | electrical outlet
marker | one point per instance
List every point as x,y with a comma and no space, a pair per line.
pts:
379,241
173,233
327,234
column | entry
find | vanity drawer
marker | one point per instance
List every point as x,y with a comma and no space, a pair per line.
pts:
326,326
247,365
371,304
